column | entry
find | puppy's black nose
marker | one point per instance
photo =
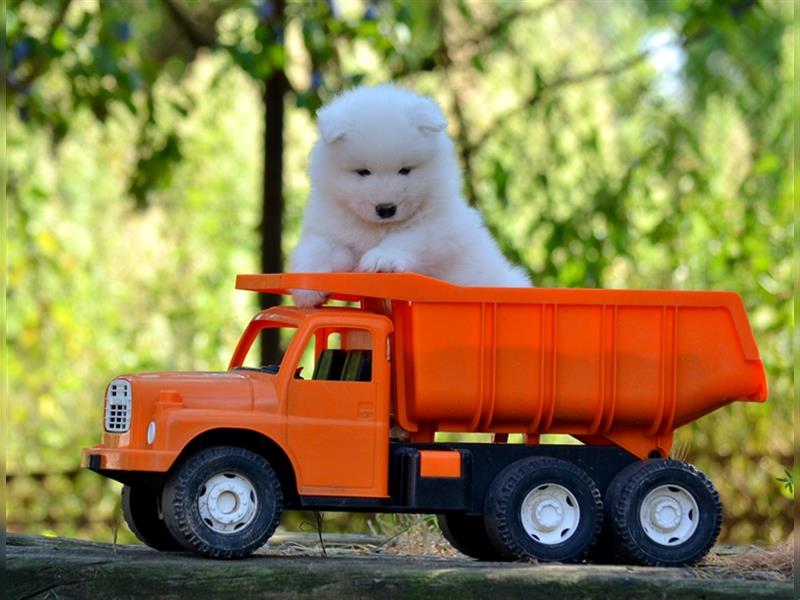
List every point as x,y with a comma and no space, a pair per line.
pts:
385,211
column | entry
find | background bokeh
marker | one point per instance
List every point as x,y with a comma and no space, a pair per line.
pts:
156,148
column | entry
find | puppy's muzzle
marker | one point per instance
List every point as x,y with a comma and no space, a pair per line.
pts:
385,211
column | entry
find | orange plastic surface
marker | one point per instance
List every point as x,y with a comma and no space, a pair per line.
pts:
617,367
440,463
625,366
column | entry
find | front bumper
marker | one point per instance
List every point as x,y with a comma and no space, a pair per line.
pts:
102,458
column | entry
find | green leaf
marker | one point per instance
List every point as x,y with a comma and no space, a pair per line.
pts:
60,39
500,178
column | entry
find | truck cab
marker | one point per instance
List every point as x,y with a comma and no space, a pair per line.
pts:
326,405
336,409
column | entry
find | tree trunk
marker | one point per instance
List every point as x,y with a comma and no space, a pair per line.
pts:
271,227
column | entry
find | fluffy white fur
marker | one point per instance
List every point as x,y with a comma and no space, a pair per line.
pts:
380,131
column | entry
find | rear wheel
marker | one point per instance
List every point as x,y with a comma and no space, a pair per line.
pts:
604,551
543,508
467,534
141,513
664,513
223,502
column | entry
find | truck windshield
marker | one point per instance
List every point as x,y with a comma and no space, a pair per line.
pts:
248,352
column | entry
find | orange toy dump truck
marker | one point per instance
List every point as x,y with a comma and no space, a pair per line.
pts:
209,460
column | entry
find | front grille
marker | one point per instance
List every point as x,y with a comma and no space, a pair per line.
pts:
118,406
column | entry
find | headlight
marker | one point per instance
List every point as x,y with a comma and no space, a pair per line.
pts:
118,406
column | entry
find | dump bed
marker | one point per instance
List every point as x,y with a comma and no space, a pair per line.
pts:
620,366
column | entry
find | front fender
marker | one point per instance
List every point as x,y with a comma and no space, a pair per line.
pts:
178,430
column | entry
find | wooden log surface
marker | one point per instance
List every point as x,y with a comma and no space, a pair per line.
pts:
40,567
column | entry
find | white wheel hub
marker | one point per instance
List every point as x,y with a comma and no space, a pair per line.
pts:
669,515
550,514
227,502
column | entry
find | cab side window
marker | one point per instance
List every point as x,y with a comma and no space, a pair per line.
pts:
343,355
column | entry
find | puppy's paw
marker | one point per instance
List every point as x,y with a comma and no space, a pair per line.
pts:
380,261
308,298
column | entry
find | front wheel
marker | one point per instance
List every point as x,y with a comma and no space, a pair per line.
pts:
663,513
467,534
223,502
543,508
141,513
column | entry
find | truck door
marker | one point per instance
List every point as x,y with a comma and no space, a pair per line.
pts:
338,421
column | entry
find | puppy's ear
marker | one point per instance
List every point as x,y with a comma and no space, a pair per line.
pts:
427,117
332,127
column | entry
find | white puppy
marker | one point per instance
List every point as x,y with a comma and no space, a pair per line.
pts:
385,196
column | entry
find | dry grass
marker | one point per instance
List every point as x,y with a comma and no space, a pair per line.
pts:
750,561
413,535
418,536
395,534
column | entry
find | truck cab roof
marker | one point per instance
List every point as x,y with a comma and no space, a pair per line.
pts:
293,316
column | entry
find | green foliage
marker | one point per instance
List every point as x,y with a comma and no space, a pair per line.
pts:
787,481
113,55
607,144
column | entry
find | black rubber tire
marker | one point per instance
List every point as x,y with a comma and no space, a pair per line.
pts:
631,542
140,510
604,551
186,484
504,501
467,534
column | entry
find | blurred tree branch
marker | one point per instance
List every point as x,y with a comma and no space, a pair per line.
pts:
466,149
40,65
567,80
501,25
197,35
440,57
545,88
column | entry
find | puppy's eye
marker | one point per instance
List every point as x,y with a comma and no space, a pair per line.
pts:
405,171
364,172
